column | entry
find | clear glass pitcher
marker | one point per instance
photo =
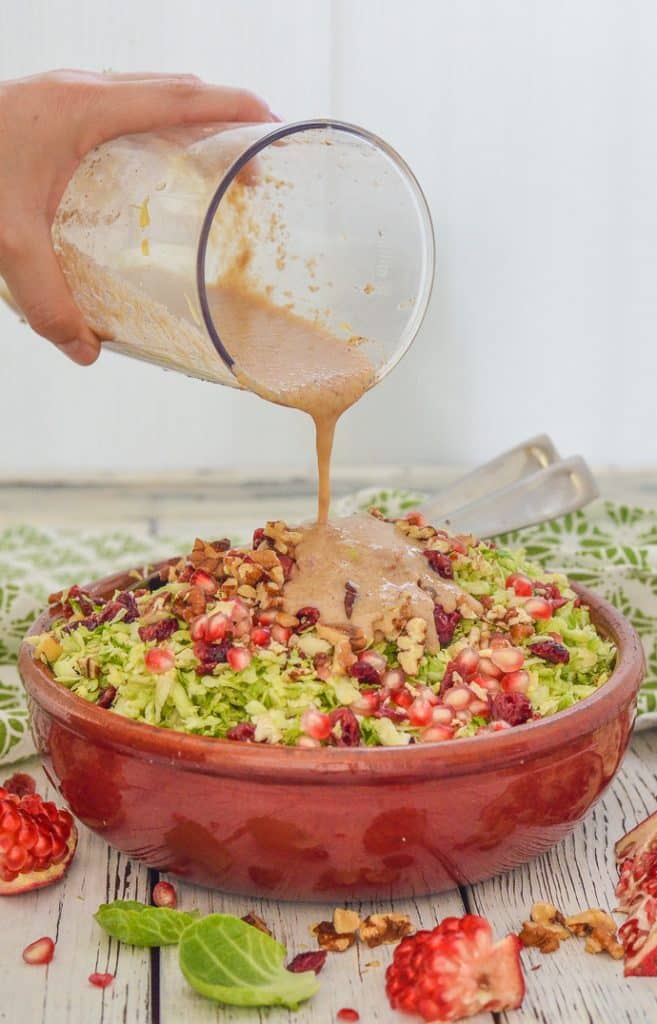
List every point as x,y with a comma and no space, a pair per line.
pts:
320,218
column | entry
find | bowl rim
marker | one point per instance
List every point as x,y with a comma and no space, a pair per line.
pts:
282,764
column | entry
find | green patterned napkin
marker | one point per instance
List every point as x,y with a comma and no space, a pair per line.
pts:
608,547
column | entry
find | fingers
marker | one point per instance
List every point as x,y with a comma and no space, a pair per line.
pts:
148,104
31,270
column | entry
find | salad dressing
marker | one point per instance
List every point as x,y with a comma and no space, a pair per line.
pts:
386,569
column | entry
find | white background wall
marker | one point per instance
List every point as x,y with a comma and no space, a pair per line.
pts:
531,125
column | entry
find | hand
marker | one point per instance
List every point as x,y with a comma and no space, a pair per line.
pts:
47,124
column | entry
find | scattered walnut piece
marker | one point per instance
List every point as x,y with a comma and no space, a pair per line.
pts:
378,929
599,929
547,914
328,938
345,921
540,936
256,922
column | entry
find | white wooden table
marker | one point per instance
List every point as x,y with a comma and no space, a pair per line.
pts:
570,986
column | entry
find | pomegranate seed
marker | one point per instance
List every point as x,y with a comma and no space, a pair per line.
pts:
198,627
520,584
498,640
307,741
261,636
367,703
498,726
437,733
480,707
316,724
258,537
41,951
486,682
420,712
101,980
281,634
489,668
442,715
467,662
378,661
346,1013
516,682
508,659
426,693
216,627
458,697
266,618
164,895
238,658
415,519
538,608
402,698
159,659
202,579
394,679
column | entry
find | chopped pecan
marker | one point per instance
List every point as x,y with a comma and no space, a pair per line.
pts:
207,556
378,929
256,922
328,938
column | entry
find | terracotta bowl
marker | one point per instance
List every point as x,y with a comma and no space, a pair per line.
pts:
334,823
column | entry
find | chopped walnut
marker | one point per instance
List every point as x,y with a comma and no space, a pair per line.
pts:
206,556
540,936
520,631
599,928
411,645
345,921
282,536
547,914
89,668
328,938
378,929
256,922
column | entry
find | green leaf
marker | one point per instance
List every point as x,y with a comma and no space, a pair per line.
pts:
139,925
228,960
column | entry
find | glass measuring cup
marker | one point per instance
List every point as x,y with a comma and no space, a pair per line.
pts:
320,218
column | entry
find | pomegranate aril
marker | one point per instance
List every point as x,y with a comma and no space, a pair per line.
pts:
216,627
437,733
159,660
394,679
164,895
197,628
15,858
367,703
487,683
265,618
516,682
467,661
101,980
480,708
489,668
513,708
378,661
307,616
316,724
41,951
238,658
20,784
458,697
538,608
346,1013
520,584
402,698
416,519
508,659
261,636
442,715
420,712
307,741
281,634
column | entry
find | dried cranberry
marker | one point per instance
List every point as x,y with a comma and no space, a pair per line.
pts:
258,537
209,656
446,623
395,714
307,616
440,563
244,732
286,565
551,593
313,961
106,697
127,599
158,630
513,708
350,595
551,650
365,673
345,730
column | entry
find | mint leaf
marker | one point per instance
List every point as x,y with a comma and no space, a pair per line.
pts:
139,925
226,959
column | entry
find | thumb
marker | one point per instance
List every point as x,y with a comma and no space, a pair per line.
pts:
34,277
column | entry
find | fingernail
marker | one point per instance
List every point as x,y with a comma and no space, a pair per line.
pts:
82,352
275,117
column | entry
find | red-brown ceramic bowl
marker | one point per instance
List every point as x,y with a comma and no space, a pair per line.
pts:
334,823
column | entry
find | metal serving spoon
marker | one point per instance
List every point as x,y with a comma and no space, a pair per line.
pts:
526,485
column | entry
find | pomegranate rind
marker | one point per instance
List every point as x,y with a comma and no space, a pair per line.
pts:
641,839
40,879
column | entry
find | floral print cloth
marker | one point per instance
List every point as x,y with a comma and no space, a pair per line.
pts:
608,547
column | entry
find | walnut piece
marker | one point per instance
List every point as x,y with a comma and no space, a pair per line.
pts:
599,928
345,921
540,936
328,938
256,922
378,929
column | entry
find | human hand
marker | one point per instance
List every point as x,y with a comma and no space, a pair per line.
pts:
47,125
